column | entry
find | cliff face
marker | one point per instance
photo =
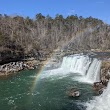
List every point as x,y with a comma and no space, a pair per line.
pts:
105,70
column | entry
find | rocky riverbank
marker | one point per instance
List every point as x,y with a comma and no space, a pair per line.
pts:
13,67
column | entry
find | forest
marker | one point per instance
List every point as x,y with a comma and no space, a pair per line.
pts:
23,37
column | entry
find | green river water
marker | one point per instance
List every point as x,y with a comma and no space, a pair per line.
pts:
49,94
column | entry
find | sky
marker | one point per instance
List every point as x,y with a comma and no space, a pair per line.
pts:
95,8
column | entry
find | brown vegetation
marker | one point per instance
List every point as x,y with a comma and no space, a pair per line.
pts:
24,37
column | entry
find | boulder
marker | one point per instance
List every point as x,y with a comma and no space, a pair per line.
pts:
98,87
73,92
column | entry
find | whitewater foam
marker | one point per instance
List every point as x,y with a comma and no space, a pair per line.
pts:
101,102
86,68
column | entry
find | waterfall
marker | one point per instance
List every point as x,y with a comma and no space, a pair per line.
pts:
76,64
87,69
93,73
101,102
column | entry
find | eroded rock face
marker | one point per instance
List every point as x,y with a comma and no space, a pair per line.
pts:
105,77
105,69
105,72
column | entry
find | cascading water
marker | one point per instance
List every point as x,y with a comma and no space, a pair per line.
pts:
101,102
47,90
76,64
87,69
93,71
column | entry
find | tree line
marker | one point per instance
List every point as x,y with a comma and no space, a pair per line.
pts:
24,37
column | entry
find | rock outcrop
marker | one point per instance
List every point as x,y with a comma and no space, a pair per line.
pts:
105,71
14,67
105,77
98,87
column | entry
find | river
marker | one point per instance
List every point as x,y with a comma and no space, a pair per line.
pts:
29,90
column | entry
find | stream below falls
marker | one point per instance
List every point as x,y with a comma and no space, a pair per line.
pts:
47,89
